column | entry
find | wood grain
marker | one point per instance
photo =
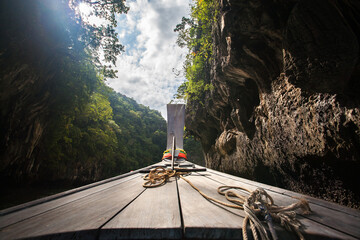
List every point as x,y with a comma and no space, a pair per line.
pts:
123,209
323,222
320,202
64,194
29,212
153,215
81,216
204,219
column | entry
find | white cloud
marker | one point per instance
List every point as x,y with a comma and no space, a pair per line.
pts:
146,68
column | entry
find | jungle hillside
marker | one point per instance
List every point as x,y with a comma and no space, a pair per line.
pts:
59,122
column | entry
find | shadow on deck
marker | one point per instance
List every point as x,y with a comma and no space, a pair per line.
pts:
120,208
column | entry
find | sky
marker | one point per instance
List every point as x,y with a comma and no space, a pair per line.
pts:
147,70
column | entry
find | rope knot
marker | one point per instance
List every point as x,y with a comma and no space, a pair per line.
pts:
255,203
158,176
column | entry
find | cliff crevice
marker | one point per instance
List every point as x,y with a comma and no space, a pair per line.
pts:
285,104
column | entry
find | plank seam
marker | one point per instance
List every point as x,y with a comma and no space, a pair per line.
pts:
232,211
304,216
217,204
335,229
180,210
64,194
64,204
106,222
329,207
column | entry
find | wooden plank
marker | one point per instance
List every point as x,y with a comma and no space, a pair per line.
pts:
66,193
153,215
35,210
324,222
203,219
327,204
316,201
181,170
228,227
81,218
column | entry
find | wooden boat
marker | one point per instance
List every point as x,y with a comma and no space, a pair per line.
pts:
121,208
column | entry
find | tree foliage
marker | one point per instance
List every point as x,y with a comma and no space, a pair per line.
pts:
112,134
195,33
101,38
52,79
194,150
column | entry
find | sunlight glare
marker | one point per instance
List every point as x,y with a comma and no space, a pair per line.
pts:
85,9
87,15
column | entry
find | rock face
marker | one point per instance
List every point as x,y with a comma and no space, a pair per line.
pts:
25,87
285,105
25,123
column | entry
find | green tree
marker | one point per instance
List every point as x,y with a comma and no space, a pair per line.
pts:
194,150
57,114
100,38
195,34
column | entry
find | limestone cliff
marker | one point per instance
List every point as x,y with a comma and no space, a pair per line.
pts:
285,105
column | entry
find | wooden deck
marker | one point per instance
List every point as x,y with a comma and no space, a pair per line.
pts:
120,208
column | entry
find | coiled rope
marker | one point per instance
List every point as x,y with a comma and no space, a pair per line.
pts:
157,177
255,204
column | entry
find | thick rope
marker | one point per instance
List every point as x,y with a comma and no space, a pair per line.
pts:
255,204
157,177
